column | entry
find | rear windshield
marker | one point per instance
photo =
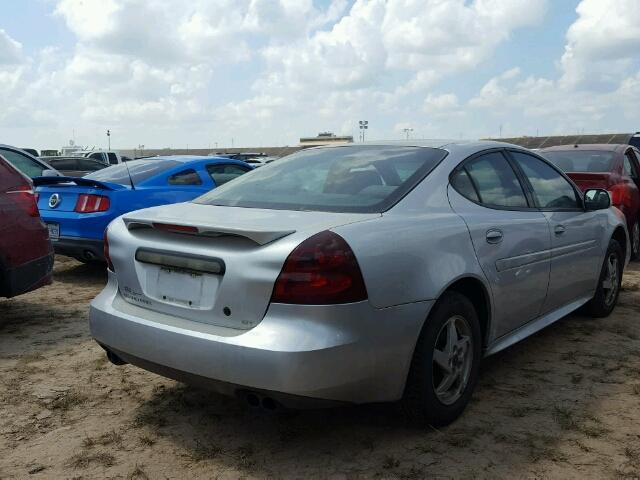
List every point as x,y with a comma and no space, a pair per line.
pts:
140,170
581,160
363,179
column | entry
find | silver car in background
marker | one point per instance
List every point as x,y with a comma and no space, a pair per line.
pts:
359,273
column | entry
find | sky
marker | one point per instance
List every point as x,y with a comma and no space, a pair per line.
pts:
217,73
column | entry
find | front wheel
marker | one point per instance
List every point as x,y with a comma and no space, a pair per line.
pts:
606,296
445,365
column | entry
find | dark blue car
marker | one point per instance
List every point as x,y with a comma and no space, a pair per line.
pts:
77,210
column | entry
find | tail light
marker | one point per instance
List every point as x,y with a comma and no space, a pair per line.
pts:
620,195
105,243
321,270
92,203
26,199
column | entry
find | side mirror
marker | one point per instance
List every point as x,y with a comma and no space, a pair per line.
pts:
596,199
50,173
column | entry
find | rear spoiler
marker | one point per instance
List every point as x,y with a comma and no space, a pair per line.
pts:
259,236
82,182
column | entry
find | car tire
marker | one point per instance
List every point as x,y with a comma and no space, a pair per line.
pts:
427,400
606,296
635,240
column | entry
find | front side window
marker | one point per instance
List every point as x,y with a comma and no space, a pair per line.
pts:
550,188
490,180
186,177
26,165
629,164
363,179
221,174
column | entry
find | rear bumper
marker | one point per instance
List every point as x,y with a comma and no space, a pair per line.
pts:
27,277
84,248
344,353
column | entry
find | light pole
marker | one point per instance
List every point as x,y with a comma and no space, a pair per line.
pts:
407,131
109,139
364,125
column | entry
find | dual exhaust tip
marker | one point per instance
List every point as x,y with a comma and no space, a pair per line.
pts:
253,399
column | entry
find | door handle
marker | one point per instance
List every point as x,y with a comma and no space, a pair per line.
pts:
494,236
559,230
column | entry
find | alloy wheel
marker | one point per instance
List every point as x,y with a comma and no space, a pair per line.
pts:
452,360
611,283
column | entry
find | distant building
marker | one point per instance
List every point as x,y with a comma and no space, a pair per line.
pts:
325,138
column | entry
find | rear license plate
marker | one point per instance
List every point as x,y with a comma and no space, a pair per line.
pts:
180,286
54,231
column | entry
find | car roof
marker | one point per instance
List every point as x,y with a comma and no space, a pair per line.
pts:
607,147
461,147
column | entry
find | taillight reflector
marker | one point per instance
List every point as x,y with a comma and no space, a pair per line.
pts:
92,203
322,270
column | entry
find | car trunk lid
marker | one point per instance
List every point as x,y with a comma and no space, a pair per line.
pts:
210,264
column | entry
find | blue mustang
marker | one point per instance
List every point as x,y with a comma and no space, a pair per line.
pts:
77,210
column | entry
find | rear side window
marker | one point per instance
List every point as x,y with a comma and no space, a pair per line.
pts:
221,174
550,188
89,165
113,159
64,164
26,165
363,179
581,160
186,177
491,181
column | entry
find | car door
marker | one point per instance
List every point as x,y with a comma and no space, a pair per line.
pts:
510,236
575,245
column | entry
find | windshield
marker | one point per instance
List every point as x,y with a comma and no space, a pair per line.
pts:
140,170
581,160
363,179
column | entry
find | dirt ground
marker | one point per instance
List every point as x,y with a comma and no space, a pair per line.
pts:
562,404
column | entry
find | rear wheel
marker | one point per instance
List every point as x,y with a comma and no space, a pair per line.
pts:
606,296
445,365
635,241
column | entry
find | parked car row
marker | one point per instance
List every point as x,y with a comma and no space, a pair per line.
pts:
355,273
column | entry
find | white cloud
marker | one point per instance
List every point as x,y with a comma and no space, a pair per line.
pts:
10,50
602,44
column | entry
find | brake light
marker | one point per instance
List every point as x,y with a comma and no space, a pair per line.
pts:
105,246
620,195
26,199
321,270
170,227
92,203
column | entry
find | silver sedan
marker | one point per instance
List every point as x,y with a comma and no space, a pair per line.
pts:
359,273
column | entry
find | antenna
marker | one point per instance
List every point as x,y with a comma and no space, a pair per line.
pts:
129,173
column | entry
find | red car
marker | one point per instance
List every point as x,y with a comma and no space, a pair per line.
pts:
614,167
26,254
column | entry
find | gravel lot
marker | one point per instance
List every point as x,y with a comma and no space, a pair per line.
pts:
564,404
